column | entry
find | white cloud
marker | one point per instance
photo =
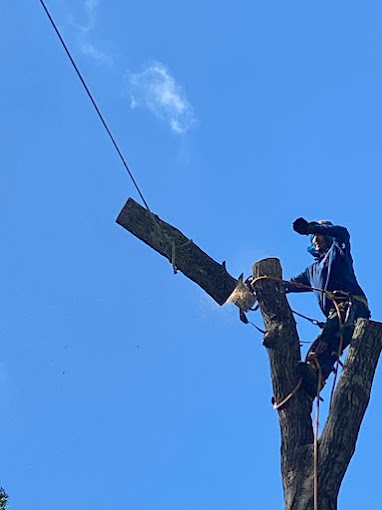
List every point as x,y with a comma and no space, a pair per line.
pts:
91,7
156,90
90,50
86,47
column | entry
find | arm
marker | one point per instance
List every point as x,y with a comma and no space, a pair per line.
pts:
301,278
337,232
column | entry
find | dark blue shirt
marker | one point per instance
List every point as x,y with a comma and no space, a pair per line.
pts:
332,270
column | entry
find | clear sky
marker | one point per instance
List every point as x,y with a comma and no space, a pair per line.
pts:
123,386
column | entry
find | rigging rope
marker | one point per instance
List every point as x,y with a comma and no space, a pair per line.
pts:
101,117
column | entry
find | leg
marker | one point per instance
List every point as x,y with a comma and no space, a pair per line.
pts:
325,348
331,334
320,355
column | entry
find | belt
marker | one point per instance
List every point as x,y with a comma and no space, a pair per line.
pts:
343,297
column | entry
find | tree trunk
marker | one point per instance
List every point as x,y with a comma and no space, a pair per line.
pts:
337,443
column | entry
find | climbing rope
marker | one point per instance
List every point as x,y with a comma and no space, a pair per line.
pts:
288,397
316,432
338,353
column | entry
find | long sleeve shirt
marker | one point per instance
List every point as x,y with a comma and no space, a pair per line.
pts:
331,270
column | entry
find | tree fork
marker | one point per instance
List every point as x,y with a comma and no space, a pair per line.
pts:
350,400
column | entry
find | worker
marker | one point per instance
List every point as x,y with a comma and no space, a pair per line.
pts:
332,271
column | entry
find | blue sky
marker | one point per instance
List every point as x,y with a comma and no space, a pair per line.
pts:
124,386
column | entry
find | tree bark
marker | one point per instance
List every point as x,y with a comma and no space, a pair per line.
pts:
338,441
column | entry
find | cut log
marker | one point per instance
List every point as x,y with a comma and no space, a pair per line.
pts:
179,250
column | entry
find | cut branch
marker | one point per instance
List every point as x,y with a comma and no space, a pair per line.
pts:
178,249
283,347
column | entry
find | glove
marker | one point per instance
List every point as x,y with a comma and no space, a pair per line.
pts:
301,226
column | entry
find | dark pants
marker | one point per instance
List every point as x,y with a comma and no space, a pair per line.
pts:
328,342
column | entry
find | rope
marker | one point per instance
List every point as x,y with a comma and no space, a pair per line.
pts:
313,321
281,404
338,353
101,117
315,447
173,252
257,327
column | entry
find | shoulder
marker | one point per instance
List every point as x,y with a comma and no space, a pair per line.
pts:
342,241
342,233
